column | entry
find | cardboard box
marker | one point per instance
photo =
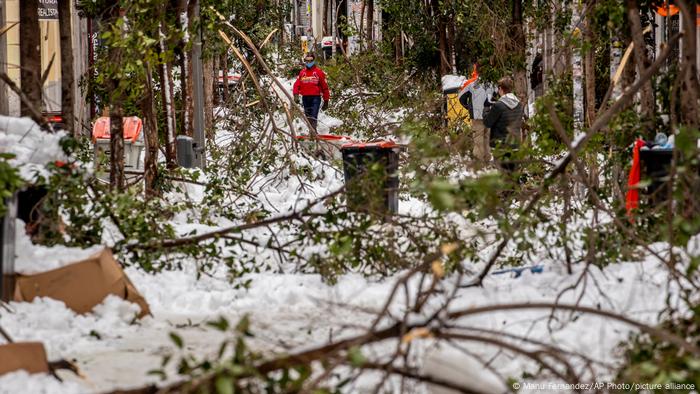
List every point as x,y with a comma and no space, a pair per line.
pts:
81,285
29,356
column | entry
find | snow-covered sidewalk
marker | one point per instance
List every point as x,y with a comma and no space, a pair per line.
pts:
292,310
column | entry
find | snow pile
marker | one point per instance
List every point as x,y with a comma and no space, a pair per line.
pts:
32,259
22,382
33,148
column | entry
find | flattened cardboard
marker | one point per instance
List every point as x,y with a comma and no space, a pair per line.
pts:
29,356
81,285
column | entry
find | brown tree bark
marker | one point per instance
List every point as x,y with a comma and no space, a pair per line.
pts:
67,78
642,61
215,75
326,8
689,116
116,113
208,75
397,48
30,55
116,141
150,170
370,23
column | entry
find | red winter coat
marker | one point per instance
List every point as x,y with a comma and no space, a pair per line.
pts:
312,82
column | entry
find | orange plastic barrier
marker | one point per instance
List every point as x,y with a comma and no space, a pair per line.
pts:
379,144
132,128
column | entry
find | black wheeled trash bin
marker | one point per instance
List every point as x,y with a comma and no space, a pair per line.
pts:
371,177
656,166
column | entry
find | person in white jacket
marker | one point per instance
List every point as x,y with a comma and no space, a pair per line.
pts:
475,96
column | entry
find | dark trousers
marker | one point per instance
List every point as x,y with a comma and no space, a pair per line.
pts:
312,104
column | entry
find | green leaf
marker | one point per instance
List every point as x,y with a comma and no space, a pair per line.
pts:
355,356
224,385
243,325
177,340
221,324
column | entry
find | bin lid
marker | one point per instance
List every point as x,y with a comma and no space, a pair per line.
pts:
132,128
324,137
385,144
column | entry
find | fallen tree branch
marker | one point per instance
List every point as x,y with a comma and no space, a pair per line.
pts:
660,334
171,243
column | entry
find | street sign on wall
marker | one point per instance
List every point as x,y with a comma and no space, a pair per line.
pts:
48,10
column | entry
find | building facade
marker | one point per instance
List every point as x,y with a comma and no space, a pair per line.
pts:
315,19
10,60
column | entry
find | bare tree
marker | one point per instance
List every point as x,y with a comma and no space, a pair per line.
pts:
642,60
150,172
30,55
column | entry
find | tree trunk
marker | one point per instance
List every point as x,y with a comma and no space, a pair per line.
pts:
589,71
642,60
215,75
689,115
520,48
116,153
208,74
67,80
168,104
370,23
615,60
116,113
442,37
30,55
577,69
451,38
186,114
398,41
361,29
150,170
326,7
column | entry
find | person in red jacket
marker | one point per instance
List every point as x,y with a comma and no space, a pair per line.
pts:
311,85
